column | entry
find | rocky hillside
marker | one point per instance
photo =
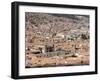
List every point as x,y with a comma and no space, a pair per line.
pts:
49,25
56,39
52,24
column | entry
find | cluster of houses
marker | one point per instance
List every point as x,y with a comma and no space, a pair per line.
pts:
45,48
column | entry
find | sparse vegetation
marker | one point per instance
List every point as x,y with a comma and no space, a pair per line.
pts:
56,39
84,36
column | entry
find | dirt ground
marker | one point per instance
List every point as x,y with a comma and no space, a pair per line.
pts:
44,61
38,60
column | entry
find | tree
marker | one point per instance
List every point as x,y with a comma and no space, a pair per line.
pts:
85,36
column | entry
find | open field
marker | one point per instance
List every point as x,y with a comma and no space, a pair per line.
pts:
44,61
57,59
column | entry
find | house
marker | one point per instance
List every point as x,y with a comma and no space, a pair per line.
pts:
49,48
60,35
43,49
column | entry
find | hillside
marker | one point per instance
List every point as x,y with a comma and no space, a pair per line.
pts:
47,24
56,35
